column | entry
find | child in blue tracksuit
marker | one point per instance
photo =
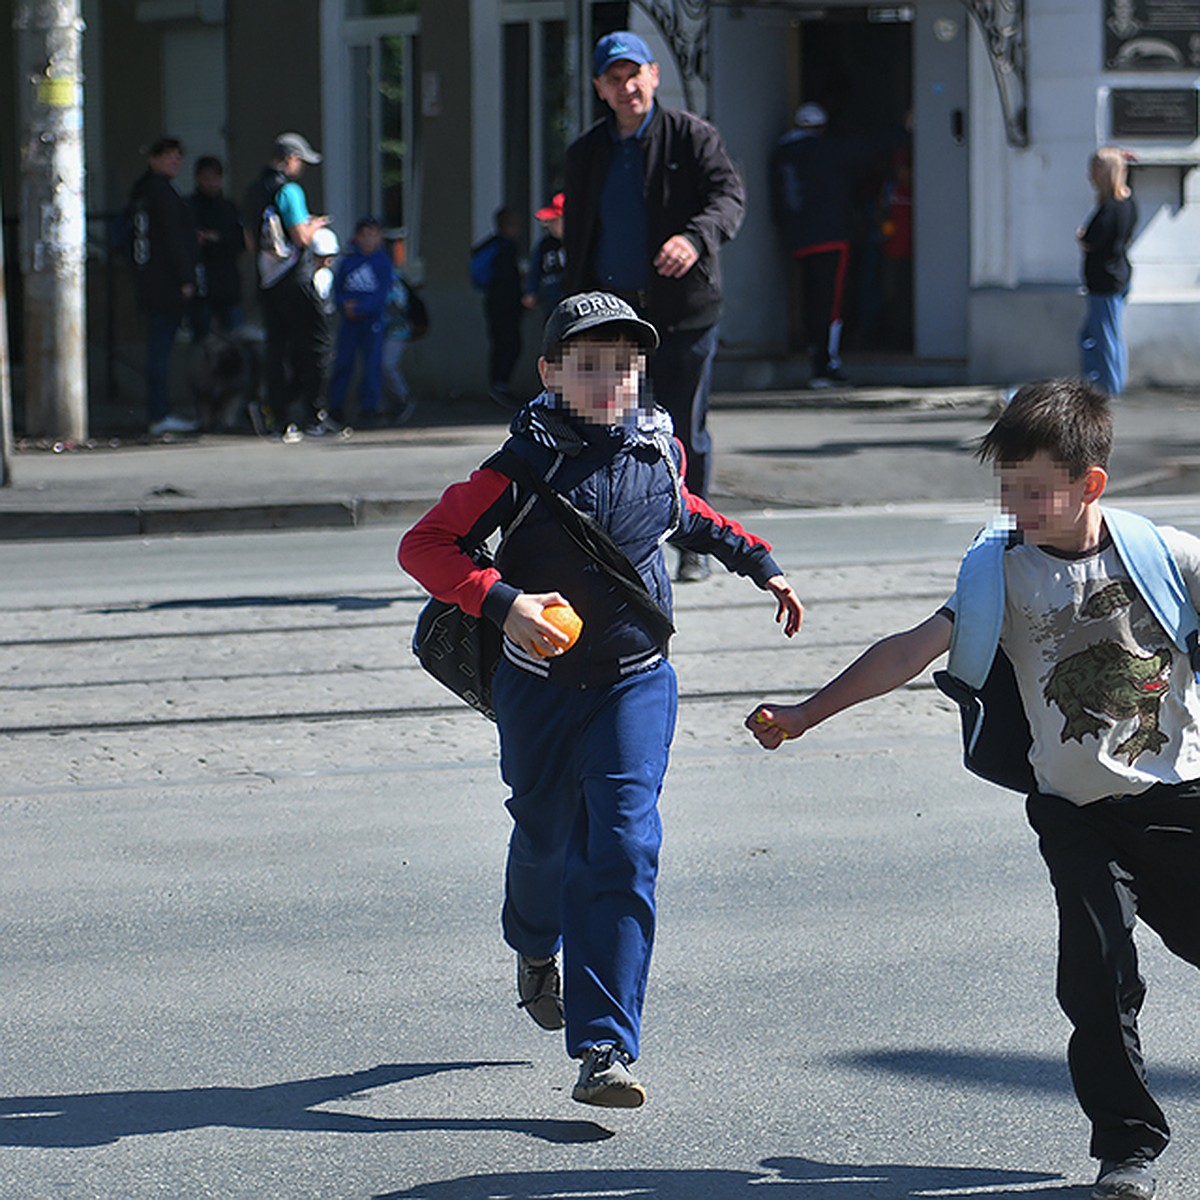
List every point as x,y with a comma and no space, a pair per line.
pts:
361,287
585,732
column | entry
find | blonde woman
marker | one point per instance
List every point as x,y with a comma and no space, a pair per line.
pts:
1106,271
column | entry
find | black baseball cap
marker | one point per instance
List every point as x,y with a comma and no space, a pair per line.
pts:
591,310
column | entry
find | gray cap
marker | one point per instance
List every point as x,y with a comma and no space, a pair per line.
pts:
590,310
287,144
811,116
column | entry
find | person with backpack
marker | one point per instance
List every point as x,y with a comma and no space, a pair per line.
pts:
585,728
1093,612
280,229
496,271
163,246
406,319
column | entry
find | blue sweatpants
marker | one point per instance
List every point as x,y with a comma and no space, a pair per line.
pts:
357,338
586,767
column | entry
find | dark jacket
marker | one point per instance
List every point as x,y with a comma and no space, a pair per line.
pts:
1106,269
812,180
218,216
691,187
622,478
164,243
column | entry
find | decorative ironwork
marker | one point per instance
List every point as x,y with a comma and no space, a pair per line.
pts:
684,26
1003,25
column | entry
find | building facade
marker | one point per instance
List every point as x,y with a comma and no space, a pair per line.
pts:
431,113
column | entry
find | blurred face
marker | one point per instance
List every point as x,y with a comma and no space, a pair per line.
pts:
1047,505
628,89
167,163
369,238
554,227
209,182
597,382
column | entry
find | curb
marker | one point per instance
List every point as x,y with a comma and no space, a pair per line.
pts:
157,521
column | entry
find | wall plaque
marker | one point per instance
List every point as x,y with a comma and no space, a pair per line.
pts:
1151,35
1155,112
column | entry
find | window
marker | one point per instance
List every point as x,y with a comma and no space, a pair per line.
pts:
536,123
384,70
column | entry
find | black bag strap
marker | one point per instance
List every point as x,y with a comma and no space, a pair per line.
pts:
592,538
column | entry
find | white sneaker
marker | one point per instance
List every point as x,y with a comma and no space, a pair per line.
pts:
606,1080
172,424
292,435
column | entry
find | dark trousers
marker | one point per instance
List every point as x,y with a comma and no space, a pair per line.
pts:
681,377
504,335
585,767
1111,862
298,349
823,271
161,328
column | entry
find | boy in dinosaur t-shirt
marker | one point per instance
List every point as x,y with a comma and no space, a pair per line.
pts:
1114,713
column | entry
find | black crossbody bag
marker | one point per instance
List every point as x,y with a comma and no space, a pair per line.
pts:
461,651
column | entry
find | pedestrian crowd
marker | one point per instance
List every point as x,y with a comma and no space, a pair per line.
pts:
331,314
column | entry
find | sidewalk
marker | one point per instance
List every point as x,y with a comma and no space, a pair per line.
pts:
865,445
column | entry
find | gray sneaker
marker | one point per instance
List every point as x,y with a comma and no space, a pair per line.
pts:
1128,1180
605,1079
540,987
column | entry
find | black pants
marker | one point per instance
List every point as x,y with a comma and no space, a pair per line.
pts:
1111,862
681,376
504,336
823,271
298,350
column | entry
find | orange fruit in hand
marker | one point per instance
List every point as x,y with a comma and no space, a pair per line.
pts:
565,619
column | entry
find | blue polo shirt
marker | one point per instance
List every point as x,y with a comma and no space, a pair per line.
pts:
622,252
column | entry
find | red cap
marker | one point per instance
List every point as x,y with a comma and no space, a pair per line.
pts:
552,210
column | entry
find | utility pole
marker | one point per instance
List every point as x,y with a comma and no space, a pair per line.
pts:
6,431
49,45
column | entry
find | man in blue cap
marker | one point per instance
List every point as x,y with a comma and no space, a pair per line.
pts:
651,196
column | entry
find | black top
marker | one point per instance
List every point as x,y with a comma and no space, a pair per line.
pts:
1106,269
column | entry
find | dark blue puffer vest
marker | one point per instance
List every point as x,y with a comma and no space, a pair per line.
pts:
622,478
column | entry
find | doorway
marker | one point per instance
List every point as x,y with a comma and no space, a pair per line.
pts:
856,63
893,80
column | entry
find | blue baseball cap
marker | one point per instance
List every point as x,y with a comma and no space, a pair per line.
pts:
613,47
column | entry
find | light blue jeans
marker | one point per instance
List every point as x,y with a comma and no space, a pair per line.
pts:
1104,359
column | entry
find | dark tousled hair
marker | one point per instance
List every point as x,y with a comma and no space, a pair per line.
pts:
162,145
1069,419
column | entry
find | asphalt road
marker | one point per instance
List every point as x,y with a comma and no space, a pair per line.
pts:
251,866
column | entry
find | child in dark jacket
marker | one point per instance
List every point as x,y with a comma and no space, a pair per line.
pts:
361,287
585,731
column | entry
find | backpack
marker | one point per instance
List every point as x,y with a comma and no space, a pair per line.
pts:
979,677
261,217
418,315
483,263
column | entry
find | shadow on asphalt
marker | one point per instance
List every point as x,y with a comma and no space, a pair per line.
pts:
339,603
103,1118
1023,1072
857,446
786,1177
